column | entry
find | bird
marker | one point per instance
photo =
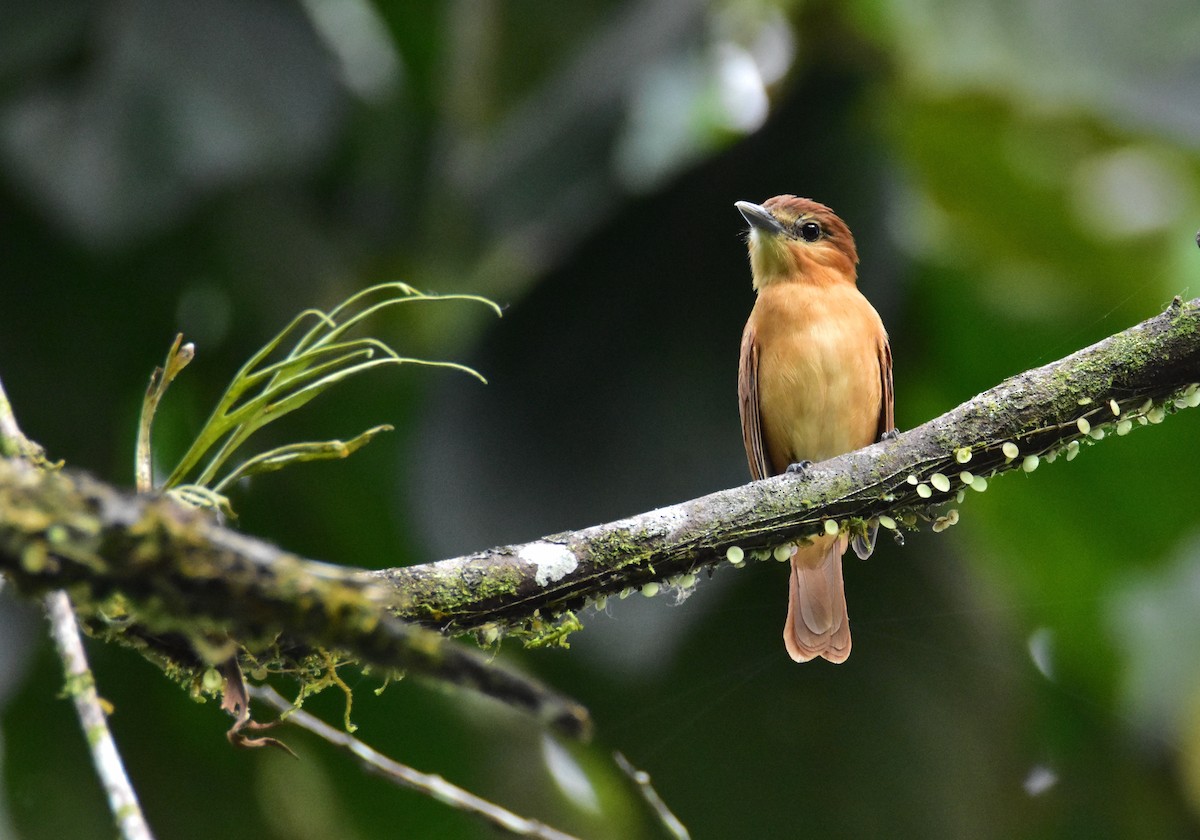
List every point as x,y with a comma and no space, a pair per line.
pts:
814,381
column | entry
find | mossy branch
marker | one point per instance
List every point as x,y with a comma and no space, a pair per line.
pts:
182,572
183,586
1130,379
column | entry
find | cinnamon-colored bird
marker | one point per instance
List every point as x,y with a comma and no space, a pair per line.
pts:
815,380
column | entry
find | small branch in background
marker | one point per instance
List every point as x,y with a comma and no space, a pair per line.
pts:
127,812
402,775
641,778
80,684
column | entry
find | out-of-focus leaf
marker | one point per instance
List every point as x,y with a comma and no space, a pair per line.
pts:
175,101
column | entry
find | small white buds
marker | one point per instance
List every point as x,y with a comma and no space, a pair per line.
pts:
1030,463
1010,450
940,482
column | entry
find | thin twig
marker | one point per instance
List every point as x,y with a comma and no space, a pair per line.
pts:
80,683
429,784
131,822
641,778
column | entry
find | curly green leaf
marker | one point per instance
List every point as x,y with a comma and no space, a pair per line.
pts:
293,453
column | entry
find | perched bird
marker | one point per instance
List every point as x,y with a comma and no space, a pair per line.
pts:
815,380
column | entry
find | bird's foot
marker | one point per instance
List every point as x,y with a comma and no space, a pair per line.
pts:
890,434
799,469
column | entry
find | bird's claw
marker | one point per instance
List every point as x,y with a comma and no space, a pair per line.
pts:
890,434
800,468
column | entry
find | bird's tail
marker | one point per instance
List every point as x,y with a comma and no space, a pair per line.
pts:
817,624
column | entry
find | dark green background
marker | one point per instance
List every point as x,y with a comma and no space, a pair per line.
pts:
1023,178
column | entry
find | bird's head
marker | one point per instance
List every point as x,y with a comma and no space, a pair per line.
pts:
798,240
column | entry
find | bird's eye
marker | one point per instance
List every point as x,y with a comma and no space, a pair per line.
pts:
810,231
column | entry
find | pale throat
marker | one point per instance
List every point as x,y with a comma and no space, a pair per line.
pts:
773,260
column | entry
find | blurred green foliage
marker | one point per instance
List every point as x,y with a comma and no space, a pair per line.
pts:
1023,178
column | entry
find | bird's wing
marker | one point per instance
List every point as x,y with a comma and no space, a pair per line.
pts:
748,405
887,408
864,544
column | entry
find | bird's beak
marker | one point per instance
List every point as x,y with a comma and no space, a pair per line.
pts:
759,217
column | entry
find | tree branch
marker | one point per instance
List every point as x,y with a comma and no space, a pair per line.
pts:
122,799
150,571
429,784
178,569
1132,378
80,684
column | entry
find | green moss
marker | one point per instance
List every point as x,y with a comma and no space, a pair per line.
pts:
552,633
76,685
35,559
619,549
96,734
